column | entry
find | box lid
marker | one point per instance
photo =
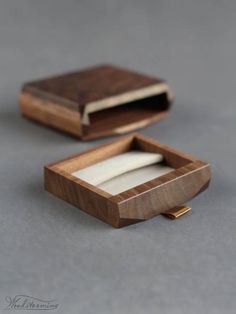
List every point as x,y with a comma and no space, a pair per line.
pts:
100,88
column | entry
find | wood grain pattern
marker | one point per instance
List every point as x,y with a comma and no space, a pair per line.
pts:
107,100
89,85
50,113
142,202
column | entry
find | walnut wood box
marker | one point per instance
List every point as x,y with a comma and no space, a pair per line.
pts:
96,102
189,177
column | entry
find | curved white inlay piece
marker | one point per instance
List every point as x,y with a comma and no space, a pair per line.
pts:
133,178
112,167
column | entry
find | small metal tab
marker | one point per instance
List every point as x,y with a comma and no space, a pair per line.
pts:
177,212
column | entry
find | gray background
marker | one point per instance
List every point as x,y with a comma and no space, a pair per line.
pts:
49,249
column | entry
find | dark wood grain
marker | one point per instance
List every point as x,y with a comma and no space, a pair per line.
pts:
89,85
190,177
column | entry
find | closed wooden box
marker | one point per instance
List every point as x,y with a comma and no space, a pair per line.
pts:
188,177
96,102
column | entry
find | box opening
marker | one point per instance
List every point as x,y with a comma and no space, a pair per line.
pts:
129,115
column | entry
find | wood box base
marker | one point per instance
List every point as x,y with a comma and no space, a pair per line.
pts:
190,177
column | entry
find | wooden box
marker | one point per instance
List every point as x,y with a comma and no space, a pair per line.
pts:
96,102
189,177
